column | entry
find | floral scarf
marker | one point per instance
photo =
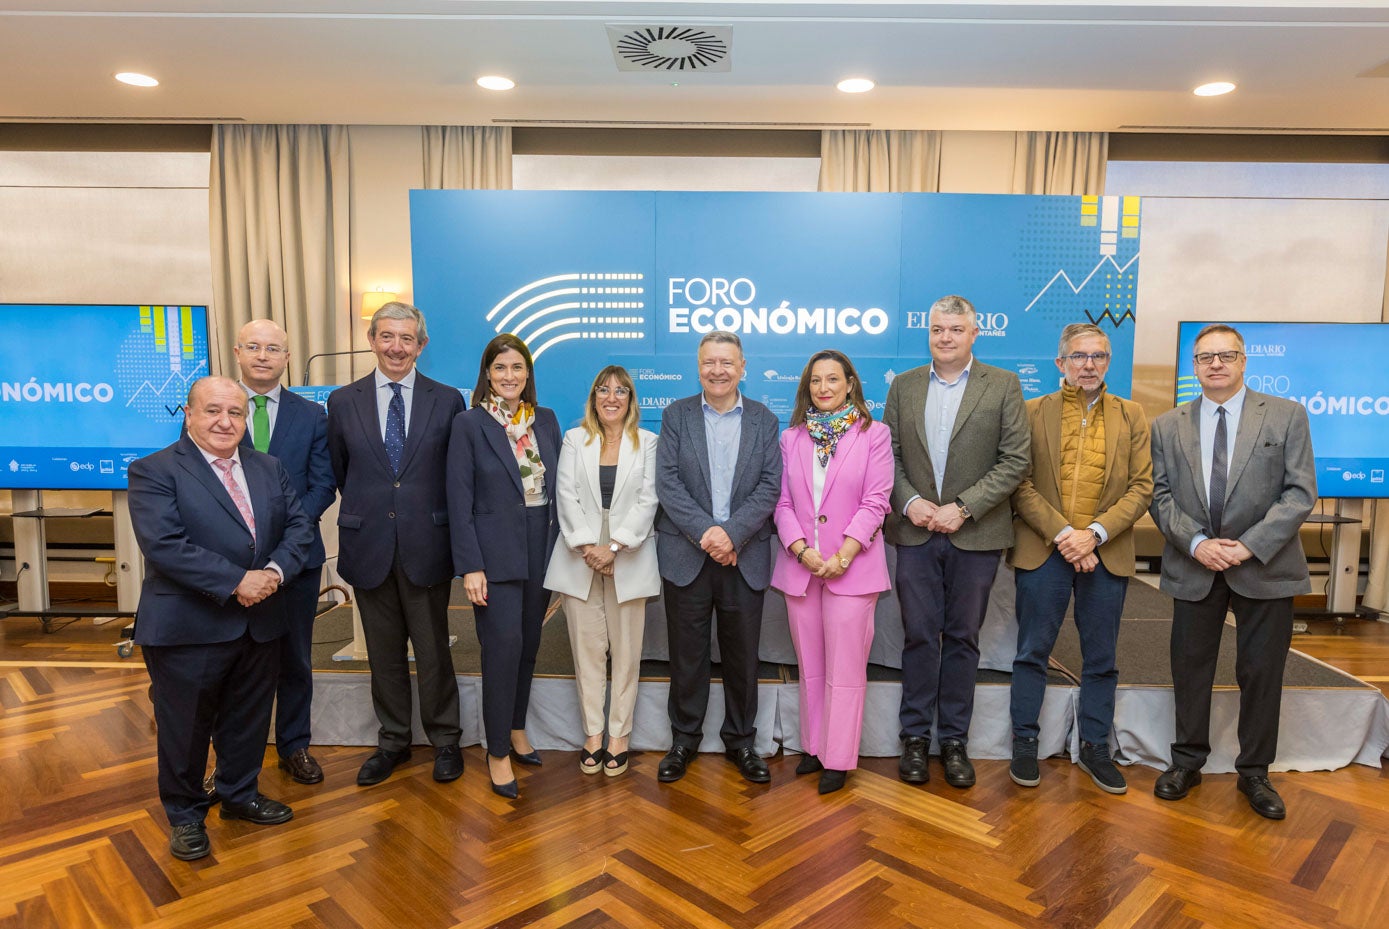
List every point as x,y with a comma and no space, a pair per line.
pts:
826,429
518,430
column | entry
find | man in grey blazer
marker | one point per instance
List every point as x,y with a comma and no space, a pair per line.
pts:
1233,480
961,444
718,476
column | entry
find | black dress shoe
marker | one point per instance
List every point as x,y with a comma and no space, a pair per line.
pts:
302,767
959,772
809,765
830,781
448,763
511,790
531,757
912,766
380,765
1174,783
189,842
672,767
750,765
210,789
1263,799
262,811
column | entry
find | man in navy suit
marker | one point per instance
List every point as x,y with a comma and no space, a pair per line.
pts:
221,530
295,431
388,438
718,477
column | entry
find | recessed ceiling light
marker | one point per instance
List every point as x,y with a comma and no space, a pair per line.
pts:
855,85
136,79
1214,89
496,82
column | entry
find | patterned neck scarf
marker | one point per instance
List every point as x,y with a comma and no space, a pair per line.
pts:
518,431
826,429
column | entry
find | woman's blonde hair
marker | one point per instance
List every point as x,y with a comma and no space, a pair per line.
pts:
630,423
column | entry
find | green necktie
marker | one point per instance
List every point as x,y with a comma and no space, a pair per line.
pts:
260,424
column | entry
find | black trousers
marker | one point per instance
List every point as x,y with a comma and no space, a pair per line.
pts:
219,693
294,689
717,589
508,631
1263,634
397,612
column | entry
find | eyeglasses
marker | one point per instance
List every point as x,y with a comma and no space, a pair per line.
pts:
1079,358
255,348
1205,358
621,393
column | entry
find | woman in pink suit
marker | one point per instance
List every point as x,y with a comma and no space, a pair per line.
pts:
835,482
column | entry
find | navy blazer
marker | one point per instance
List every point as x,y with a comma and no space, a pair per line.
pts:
382,513
300,442
487,506
197,547
684,489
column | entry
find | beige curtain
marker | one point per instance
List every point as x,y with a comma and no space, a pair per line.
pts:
880,160
1060,162
1377,583
467,157
280,225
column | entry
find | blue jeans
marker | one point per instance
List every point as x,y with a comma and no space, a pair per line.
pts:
1043,594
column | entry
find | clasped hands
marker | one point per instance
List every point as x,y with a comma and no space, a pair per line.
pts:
1078,548
719,546
1219,554
256,586
933,518
600,558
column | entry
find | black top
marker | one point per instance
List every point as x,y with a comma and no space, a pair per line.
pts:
607,477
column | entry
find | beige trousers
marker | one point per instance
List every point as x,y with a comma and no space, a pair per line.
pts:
599,625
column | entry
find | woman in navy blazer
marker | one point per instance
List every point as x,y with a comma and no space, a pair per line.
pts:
502,466
835,482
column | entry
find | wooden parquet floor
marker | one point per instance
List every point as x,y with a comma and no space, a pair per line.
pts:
83,841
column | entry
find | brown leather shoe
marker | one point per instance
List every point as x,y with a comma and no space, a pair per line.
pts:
302,767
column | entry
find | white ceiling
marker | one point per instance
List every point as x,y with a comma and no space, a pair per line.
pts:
1011,64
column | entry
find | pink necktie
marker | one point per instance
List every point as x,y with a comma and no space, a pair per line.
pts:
242,504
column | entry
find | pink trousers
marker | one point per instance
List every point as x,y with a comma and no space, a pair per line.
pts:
832,635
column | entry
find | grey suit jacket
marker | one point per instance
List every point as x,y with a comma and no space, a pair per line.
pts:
1271,488
683,488
990,450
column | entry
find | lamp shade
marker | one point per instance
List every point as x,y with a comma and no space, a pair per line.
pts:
373,300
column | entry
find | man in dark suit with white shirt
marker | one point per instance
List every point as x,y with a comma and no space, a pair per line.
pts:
718,477
1233,481
388,437
294,431
221,530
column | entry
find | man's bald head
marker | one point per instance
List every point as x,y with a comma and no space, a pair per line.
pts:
262,352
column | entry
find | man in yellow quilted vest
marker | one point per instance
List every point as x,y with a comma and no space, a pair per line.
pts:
1091,479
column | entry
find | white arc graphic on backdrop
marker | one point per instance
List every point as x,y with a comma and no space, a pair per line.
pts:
594,305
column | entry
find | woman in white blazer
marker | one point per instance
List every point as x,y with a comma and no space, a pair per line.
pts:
604,563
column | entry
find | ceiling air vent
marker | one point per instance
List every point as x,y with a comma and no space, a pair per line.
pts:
671,48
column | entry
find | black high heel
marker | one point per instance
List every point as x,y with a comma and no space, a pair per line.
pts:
510,790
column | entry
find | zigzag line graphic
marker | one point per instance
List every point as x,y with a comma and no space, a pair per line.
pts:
1117,321
173,375
1075,289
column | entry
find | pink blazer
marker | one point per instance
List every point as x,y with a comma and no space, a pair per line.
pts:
855,501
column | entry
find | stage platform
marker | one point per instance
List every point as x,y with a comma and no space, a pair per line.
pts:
1329,719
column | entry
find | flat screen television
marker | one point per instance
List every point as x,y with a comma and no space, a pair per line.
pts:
1334,369
87,389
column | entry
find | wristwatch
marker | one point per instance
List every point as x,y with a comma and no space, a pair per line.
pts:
964,510
614,547
1096,533
843,563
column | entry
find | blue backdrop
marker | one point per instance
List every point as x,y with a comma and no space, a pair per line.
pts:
85,390
636,278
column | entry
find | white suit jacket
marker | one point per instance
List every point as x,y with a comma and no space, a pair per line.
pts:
630,517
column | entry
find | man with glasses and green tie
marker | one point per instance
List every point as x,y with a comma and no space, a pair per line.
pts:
295,431
1091,479
1233,480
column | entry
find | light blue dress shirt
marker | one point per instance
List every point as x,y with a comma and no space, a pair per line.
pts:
722,432
1233,408
383,398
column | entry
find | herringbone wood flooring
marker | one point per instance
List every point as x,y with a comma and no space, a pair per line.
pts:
83,841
